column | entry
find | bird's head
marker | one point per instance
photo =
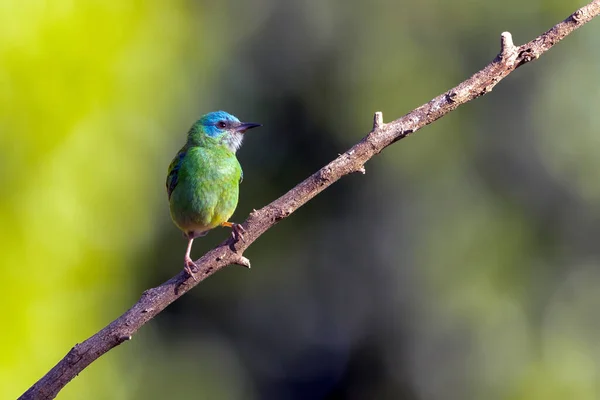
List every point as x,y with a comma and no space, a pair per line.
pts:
222,127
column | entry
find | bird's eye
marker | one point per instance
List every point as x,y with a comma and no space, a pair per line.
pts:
221,124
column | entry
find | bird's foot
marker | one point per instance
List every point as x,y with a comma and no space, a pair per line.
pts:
237,230
189,267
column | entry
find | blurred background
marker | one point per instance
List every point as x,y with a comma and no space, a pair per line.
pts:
464,265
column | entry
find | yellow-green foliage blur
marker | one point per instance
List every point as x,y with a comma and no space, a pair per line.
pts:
464,264
88,90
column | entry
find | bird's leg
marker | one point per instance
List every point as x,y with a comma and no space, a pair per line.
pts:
237,230
188,263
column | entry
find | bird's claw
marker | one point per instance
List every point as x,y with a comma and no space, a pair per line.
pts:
189,267
237,232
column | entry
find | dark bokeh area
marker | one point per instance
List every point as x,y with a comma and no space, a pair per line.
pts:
463,264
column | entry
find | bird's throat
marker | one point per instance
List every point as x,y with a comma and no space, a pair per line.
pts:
233,141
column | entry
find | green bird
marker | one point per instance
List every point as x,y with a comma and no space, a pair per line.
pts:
203,178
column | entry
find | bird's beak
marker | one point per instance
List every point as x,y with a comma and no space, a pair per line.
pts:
244,126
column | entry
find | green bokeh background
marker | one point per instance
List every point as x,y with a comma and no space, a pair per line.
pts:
464,264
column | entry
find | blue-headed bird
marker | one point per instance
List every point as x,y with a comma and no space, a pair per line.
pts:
203,178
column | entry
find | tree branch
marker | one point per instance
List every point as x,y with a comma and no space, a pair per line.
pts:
154,300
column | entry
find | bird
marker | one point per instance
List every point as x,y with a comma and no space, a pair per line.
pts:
204,177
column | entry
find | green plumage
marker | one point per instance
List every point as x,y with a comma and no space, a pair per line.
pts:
203,179
203,186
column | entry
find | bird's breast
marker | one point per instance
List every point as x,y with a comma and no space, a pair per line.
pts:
206,193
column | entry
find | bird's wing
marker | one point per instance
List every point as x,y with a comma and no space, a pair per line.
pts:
173,173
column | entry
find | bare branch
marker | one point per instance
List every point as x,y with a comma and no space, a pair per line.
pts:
153,301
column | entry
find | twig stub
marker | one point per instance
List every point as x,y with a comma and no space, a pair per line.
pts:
508,50
377,120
